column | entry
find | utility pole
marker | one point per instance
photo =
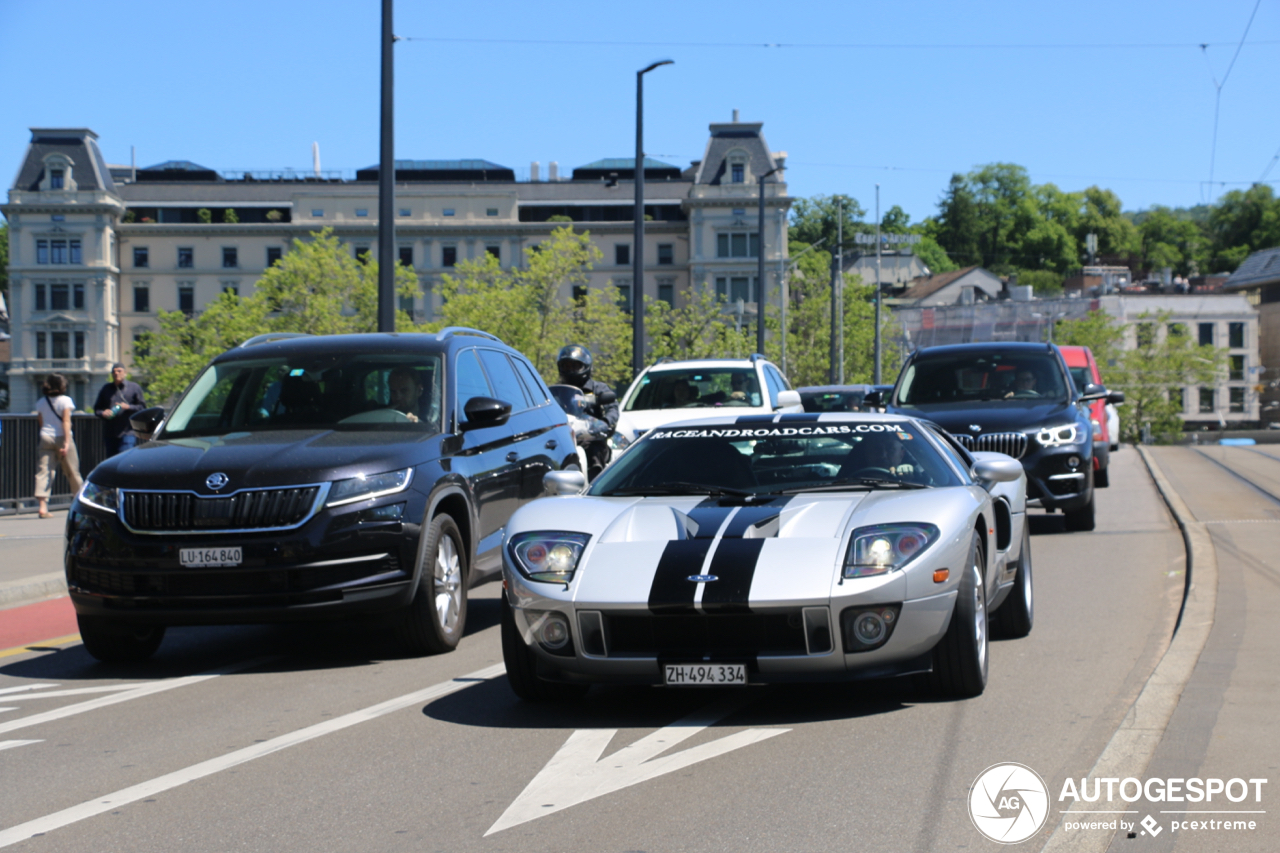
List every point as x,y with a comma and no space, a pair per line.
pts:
840,292
387,182
832,355
760,288
877,380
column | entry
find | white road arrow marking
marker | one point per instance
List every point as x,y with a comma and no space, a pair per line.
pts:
24,688
10,744
577,773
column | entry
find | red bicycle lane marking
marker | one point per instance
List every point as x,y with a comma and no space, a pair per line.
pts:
31,623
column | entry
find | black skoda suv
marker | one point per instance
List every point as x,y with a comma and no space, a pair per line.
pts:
306,477
1014,398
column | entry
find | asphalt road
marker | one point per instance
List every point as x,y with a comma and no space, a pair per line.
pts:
320,738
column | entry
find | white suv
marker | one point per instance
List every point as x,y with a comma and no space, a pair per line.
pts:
671,391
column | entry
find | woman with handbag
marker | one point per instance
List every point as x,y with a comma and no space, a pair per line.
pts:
57,449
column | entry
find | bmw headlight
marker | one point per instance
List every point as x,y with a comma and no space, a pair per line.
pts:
99,497
885,548
368,486
549,556
1061,435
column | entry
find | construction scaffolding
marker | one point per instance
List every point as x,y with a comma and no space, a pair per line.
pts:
1007,320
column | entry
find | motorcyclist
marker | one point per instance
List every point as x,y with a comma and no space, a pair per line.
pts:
574,364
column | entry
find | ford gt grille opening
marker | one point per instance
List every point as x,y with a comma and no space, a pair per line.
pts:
1010,443
248,510
693,634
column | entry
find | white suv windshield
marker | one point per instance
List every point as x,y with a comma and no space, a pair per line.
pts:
697,388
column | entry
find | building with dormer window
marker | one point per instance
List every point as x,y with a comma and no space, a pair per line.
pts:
96,251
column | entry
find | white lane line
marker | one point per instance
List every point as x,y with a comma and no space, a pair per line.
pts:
82,691
258,750
145,689
10,744
10,690
12,708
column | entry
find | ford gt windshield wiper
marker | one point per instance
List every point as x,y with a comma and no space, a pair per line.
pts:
853,482
680,488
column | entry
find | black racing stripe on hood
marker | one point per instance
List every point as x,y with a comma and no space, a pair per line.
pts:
806,417
709,515
734,564
749,516
671,590
755,419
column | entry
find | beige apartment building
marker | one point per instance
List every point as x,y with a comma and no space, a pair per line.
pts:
97,250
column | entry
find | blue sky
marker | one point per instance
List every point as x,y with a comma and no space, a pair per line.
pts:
901,94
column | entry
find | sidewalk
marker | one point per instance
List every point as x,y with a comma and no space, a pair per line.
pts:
31,558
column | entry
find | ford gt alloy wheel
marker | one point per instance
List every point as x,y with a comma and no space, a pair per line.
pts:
1017,614
433,623
522,666
960,658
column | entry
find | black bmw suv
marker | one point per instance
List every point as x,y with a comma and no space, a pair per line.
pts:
1014,398
306,477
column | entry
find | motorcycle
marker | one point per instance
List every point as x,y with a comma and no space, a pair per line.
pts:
577,406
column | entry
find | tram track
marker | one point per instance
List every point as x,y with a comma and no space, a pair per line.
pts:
1265,492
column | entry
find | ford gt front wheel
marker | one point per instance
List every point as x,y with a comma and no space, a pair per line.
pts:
960,658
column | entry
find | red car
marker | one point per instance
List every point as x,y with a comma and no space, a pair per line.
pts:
1084,371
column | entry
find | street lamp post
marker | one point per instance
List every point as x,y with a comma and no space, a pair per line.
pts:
877,345
637,257
387,182
760,266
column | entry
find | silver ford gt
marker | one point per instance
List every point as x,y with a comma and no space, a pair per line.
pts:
770,548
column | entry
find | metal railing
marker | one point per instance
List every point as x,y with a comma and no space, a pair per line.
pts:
19,443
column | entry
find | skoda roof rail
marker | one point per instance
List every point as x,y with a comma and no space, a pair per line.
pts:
449,331
272,336
666,359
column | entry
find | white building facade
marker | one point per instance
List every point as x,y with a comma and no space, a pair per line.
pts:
96,251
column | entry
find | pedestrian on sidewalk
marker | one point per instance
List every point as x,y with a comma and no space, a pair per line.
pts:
117,399
57,448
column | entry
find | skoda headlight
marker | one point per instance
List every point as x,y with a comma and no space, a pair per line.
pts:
549,556
1061,435
368,486
885,548
99,497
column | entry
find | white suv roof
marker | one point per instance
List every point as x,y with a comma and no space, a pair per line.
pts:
723,386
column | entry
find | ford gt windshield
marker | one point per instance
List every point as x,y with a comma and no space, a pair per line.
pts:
734,460
339,392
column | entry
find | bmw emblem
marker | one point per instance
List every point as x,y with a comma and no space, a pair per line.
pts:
975,428
217,481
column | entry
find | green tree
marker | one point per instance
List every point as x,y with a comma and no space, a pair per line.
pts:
1170,240
815,219
529,310
317,288
1101,214
205,215
230,215
1244,221
701,328
1152,373
958,224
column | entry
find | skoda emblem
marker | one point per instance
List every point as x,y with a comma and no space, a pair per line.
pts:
703,578
217,481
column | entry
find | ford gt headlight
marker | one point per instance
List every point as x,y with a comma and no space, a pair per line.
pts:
885,548
1061,435
548,555
364,487
99,497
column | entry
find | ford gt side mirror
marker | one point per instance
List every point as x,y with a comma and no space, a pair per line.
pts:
1115,398
146,421
484,412
564,482
997,470
787,399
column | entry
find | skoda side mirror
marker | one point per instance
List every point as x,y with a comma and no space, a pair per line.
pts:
144,423
484,412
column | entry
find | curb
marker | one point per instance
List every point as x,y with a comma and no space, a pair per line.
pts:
1130,749
31,590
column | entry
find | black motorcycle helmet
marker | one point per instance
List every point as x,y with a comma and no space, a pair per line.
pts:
574,364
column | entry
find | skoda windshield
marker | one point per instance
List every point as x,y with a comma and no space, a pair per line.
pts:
981,376
696,388
776,459
339,392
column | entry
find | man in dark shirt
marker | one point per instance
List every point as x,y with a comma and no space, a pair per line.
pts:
116,401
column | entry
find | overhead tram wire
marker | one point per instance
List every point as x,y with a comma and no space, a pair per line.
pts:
1217,98
829,45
